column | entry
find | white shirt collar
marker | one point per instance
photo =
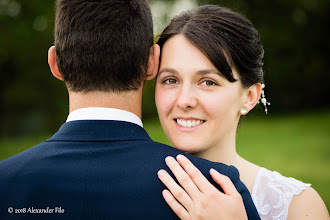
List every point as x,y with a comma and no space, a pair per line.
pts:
99,113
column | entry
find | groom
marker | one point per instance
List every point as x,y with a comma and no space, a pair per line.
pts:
101,163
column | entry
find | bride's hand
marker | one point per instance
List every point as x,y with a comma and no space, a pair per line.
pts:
197,198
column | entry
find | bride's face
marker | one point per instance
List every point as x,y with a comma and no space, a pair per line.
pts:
197,106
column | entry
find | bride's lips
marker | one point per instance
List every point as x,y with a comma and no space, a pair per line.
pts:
188,124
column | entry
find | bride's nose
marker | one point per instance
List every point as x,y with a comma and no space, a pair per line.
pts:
186,98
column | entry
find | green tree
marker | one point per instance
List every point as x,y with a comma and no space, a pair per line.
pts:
295,35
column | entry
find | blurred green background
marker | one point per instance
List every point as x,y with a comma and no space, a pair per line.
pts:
293,139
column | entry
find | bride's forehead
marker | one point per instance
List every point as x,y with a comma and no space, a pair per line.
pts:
179,42
178,50
181,54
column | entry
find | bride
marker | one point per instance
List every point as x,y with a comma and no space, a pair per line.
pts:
210,75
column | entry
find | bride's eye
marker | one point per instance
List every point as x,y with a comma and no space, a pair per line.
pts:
170,81
209,83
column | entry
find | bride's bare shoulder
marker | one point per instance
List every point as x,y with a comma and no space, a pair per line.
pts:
308,205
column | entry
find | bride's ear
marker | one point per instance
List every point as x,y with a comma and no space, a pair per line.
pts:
153,63
52,63
252,97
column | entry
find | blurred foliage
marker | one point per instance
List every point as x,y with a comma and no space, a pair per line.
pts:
31,100
295,35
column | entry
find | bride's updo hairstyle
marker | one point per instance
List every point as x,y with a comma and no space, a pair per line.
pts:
226,38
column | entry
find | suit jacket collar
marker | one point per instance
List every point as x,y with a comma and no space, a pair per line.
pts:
102,130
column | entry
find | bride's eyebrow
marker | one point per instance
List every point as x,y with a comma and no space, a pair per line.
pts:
168,70
209,71
199,72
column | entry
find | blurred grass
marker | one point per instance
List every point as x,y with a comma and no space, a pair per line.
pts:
294,145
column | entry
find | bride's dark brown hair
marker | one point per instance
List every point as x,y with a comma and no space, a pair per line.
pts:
228,39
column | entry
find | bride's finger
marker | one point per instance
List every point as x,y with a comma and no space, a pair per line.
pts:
195,174
225,183
183,178
176,190
177,208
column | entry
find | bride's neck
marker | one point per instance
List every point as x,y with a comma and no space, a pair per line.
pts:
223,155
223,152
226,153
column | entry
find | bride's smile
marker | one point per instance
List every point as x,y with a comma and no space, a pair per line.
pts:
188,123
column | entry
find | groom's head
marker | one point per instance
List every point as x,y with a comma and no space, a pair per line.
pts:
103,45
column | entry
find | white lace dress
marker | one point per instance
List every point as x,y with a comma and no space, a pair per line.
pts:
272,194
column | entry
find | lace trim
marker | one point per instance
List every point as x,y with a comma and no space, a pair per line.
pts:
272,194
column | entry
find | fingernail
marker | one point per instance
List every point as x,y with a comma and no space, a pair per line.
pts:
161,173
169,159
180,157
166,192
213,170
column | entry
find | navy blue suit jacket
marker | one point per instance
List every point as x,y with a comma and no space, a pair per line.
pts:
96,169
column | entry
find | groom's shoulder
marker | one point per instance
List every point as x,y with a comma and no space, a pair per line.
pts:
21,159
20,169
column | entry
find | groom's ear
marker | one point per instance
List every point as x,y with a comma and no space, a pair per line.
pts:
153,63
52,63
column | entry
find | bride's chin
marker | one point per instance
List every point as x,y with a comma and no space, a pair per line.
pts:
186,145
188,150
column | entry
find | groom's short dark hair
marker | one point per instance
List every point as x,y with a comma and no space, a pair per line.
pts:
103,45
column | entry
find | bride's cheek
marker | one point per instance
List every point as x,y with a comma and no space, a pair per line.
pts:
163,100
160,99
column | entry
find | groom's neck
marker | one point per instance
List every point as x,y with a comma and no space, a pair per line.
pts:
129,101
